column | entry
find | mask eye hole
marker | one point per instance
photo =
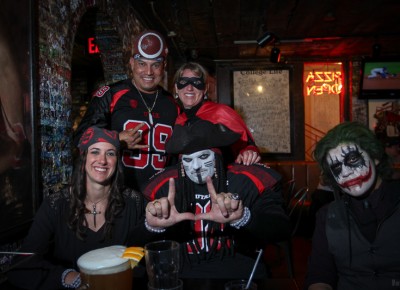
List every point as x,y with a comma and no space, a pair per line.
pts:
182,82
194,81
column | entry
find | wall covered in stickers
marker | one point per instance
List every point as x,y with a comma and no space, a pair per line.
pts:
58,22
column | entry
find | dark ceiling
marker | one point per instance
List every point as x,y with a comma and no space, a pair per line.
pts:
227,29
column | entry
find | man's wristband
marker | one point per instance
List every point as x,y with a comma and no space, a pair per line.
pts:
75,284
153,229
243,221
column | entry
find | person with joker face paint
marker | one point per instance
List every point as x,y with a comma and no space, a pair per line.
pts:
355,242
219,215
352,169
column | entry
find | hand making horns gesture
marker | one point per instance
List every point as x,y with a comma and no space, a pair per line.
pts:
132,137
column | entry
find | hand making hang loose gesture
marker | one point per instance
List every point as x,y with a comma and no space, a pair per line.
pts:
225,207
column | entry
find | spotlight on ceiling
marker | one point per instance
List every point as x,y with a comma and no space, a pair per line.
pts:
275,55
266,38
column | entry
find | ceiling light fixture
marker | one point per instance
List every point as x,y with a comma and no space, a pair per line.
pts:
266,38
275,55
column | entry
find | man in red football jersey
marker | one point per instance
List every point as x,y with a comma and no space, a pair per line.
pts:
139,109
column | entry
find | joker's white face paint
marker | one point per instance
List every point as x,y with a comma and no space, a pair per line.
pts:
199,165
352,168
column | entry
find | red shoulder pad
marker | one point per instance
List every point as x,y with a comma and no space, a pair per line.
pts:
158,180
261,175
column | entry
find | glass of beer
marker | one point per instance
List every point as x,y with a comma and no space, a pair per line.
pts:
104,269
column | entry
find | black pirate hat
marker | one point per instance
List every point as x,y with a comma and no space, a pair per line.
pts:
199,135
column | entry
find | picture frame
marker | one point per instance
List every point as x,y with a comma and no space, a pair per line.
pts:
18,169
260,93
263,95
384,118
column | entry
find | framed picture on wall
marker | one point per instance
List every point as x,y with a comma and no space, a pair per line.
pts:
18,167
262,98
268,97
384,117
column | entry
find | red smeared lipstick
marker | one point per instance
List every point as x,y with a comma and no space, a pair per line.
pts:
358,181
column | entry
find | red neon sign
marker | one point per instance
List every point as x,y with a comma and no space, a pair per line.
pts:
323,82
92,46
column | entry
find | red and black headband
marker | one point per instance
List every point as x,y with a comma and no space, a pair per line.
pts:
94,135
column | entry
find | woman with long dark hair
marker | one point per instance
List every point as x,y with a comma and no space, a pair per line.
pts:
95,211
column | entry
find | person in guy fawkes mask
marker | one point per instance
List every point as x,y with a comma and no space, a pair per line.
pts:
219,215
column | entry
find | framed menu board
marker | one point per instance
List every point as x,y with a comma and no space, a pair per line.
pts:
262,97
269,99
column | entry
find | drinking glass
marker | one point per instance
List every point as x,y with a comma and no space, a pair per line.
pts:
162,265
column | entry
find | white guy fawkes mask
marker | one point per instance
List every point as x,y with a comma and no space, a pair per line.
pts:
352,168
199,165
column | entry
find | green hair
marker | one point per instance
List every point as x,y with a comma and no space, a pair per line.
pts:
351,132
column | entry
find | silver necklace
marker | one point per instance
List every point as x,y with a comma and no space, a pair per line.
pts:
147,107
94,212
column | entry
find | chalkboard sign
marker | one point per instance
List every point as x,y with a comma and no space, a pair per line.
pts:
262,98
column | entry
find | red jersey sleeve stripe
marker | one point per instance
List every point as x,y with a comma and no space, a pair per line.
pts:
116,97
